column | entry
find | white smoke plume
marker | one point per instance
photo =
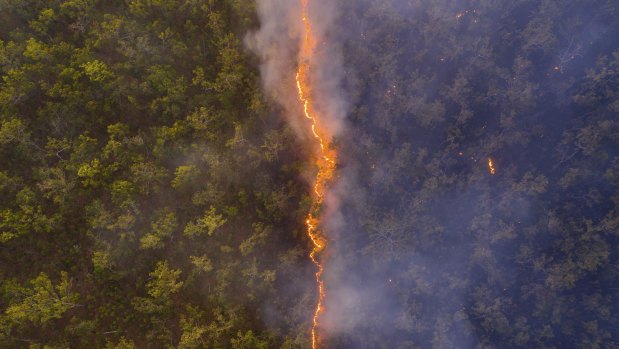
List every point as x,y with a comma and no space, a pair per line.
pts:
277,44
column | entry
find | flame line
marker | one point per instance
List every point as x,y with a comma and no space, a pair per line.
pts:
326,165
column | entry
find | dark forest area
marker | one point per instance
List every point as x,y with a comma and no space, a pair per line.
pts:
438,252
154,196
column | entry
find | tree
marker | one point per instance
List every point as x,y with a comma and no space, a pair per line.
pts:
41,302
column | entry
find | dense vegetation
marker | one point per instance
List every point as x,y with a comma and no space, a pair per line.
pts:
153,197
439,252
150,197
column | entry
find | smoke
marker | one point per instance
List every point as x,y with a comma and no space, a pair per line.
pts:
428,249
277,43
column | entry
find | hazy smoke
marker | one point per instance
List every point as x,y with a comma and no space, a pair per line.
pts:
428,249
427,245
277,43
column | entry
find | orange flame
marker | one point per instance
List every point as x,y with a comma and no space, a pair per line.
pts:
491,166
325,163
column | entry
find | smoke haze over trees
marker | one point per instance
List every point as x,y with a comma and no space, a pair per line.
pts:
435,251
154,182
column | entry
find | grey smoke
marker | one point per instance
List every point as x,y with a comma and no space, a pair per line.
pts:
277,43
413,270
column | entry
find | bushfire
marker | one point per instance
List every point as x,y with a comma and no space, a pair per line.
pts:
491,166
325,161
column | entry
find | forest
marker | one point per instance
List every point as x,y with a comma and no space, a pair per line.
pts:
154,192
150,197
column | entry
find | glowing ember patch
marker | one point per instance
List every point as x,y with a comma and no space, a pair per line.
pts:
491,166
325,163
464,13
